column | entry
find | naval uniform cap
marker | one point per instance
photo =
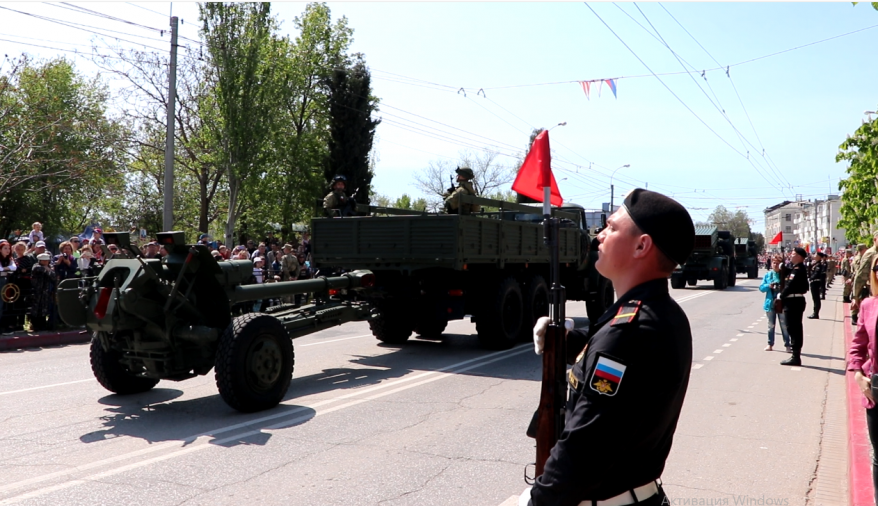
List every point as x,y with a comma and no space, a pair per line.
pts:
801,252
665,220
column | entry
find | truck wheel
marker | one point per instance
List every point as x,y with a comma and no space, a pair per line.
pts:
254,362
678,282
753,272
691,281
112,375
721,279
603,299
536,304
392,324
499,325
733,277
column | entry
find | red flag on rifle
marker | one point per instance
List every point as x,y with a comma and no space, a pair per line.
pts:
536,172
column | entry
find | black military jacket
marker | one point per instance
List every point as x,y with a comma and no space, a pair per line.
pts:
626,391
818,271
797,281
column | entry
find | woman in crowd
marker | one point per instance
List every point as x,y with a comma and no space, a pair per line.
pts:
43,280
19,250
86,262
771,287
65,263
7,267
861,361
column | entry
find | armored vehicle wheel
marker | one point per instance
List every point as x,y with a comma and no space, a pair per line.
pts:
536,304
431,329
111,374
604,298
753,272
392,324
733,276
254,362
691,282
678,282
499,324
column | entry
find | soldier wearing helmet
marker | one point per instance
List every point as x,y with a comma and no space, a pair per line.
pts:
465,187
336,199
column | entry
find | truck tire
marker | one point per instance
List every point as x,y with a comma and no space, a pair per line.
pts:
691,281
254,363
721,281
753,272
678,282
733,276
603,299
111,374
499,324
431,329
536,304
392,323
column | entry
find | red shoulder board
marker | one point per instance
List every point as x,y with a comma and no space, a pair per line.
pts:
627,312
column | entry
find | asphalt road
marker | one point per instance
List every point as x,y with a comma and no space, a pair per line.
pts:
425,423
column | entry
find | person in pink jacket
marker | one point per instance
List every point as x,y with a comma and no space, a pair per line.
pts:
862,362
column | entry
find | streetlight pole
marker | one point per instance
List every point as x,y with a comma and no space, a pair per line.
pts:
612,190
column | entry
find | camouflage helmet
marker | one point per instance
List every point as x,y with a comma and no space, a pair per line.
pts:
465,172
338,178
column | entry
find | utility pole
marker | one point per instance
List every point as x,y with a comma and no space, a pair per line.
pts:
611,199
168,214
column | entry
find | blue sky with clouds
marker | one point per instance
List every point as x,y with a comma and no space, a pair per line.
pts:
681,134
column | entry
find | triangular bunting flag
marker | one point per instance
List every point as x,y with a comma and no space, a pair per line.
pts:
585,87
612,84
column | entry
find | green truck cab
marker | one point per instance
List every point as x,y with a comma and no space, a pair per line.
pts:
432,268
713,258
746,258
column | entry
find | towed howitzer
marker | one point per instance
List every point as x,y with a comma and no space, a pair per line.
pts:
171,318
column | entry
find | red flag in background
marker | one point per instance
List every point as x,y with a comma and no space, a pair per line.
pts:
536,172
778,238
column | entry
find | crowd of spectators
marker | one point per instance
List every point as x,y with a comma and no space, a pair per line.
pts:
30,272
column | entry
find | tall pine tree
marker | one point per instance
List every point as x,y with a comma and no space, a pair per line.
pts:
352,128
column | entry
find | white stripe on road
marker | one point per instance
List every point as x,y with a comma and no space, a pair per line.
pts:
45,386
206,440
697,366
334,340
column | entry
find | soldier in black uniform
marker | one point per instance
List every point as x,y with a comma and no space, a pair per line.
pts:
628,382
793,297
817,282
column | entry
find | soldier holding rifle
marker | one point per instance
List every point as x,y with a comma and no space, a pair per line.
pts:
627,384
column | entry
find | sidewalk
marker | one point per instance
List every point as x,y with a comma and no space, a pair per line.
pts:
23,339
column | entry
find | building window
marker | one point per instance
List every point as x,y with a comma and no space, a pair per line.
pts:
789,217
788,229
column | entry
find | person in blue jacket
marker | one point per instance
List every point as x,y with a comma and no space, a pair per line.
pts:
771,287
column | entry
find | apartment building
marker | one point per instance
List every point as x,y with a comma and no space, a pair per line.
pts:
811,224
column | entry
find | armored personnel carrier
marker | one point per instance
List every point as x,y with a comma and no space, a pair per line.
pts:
712,259
433,268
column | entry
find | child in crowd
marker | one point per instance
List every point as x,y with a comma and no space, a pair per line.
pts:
36,234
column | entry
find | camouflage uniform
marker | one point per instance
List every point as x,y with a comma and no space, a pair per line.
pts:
334,201
463,188
861,278
846,273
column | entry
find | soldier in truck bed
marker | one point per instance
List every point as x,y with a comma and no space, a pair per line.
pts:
336,199
465,187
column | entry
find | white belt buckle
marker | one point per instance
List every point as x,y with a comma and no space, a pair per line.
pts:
643,493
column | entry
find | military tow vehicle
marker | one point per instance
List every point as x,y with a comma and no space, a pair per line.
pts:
154,319
432,268
746,259
713,259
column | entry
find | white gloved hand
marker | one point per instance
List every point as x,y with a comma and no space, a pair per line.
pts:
540,332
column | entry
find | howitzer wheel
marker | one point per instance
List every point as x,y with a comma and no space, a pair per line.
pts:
499,324
254,363
111,374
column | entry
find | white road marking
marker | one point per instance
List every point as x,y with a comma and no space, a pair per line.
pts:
334,340
726,345
739,335
206,439
46,386
717,351
693,296
733,339
708,358
697,366
795,368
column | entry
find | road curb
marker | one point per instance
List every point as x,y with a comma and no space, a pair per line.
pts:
860,464
47,339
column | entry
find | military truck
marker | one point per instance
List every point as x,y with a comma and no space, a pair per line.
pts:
432,268
712,259
746,259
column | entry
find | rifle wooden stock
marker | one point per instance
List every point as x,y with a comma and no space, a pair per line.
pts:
552,395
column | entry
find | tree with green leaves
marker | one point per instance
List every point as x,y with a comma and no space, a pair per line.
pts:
351,127
859,212
738,223
238,38
492,177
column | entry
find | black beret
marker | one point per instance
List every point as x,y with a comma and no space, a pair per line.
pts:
801,252
663,219
821,254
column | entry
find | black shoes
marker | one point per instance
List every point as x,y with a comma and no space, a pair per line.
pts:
854,320
793,360
813,316
846,300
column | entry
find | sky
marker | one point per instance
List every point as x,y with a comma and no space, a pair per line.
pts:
716,104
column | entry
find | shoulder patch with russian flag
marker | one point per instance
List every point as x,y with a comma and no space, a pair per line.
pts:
607,375
627,312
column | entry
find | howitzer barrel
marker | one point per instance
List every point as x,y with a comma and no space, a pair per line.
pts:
352,280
